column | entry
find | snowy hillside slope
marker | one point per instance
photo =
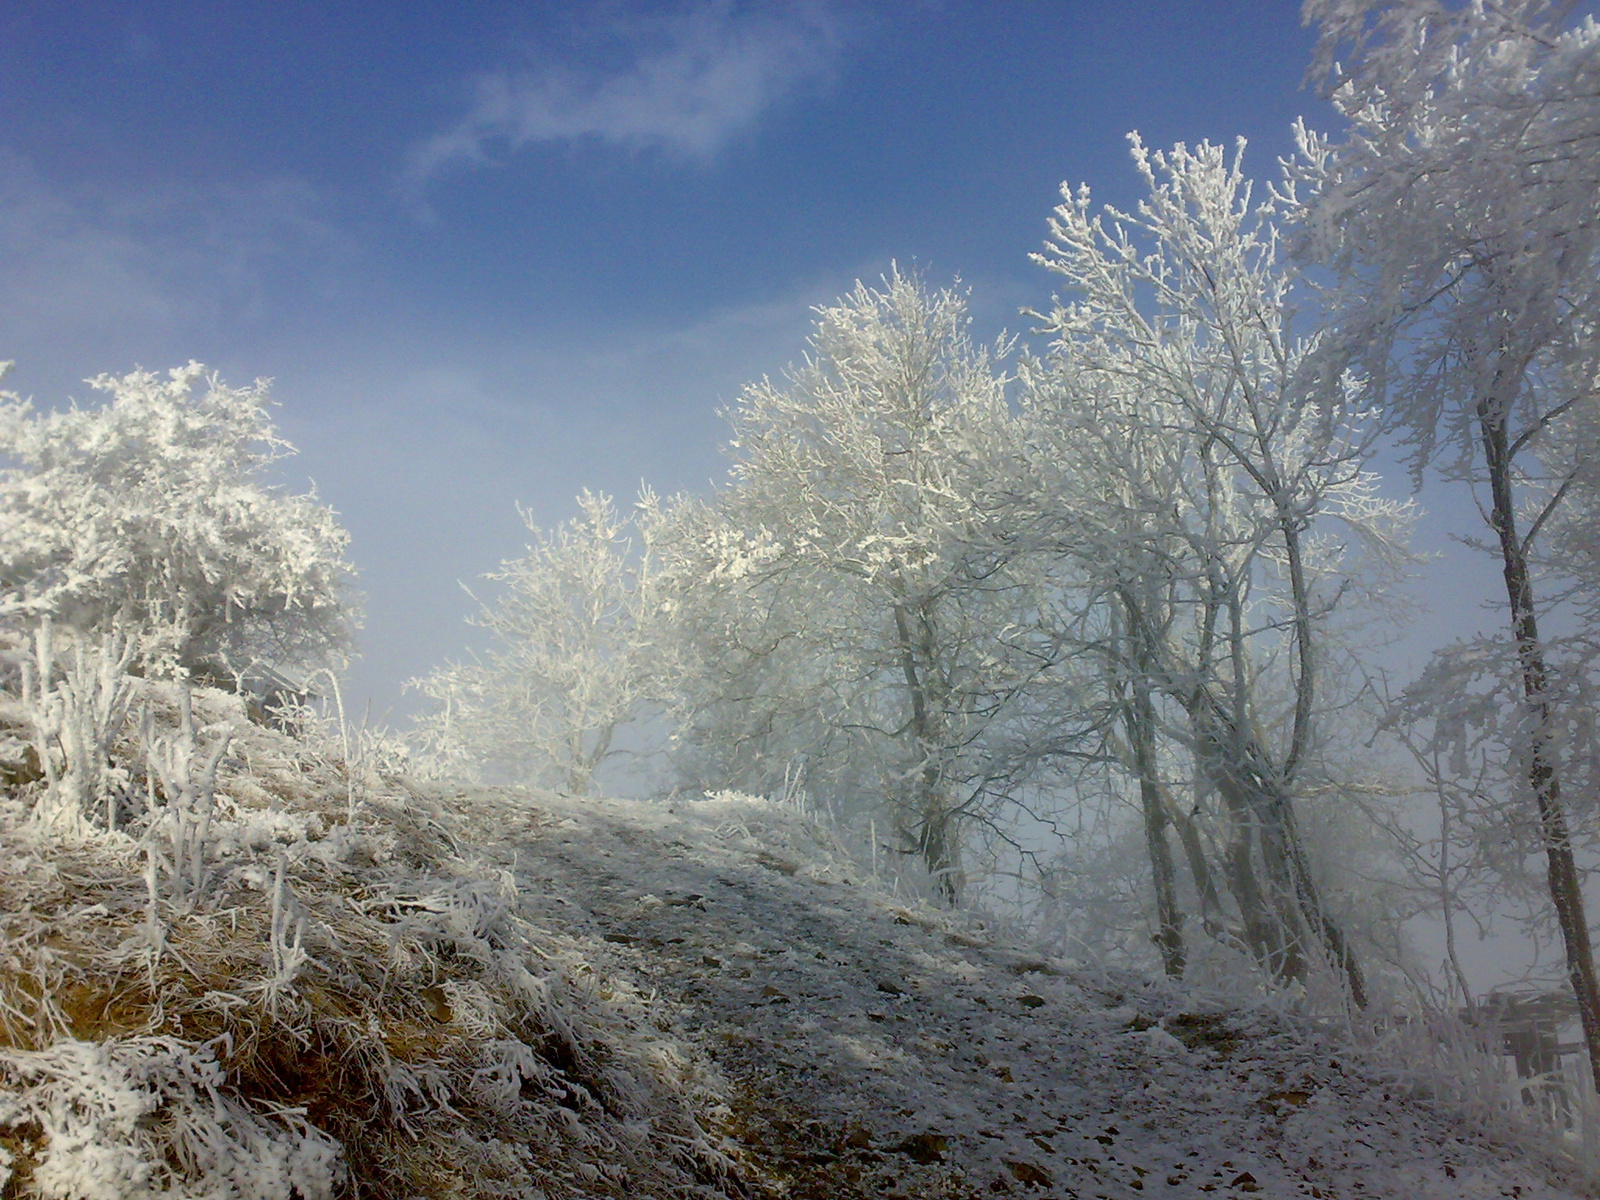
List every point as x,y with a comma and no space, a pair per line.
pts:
876,1049
362,986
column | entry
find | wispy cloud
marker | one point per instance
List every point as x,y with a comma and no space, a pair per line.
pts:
685,83
122,273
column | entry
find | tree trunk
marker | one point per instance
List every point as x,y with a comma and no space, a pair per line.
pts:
1169,918
1195,855
1253,789
1271,941
935,834
936,841
1544,779
1139,715
1309,902
1236,766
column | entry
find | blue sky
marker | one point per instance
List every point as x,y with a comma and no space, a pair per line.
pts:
498,252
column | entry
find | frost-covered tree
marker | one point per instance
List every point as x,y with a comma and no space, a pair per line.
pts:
1211,485
756,705
573,656
1462,208
154,517
145,538
854,612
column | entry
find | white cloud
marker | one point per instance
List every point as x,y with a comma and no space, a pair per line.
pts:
686,83
101,276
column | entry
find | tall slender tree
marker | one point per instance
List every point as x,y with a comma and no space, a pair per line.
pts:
1206,456
858,617
1462,209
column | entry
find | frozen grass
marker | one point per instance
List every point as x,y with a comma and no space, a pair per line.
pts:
301,995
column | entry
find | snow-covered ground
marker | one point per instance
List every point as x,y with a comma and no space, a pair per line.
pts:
876,1048
364,986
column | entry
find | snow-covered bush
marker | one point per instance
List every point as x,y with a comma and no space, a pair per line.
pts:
153,514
